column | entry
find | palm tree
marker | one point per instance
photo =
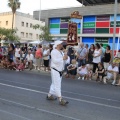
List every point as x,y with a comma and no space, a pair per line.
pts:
14,5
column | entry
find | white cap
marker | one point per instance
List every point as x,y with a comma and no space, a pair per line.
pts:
57,43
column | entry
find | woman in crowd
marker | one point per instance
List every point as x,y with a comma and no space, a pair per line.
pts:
107,57
96,57
11,51
90,55
46,58
17,52
100,71
38,56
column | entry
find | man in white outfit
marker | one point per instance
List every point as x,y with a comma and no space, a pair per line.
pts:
57,66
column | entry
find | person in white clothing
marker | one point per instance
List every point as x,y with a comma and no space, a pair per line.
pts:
96,57
17,52
29,59
82,71
112,73
57,66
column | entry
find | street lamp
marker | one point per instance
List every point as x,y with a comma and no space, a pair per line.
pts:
114,34
40,11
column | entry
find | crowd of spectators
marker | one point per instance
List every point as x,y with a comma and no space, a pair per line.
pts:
85,62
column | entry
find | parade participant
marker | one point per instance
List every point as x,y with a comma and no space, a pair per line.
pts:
57,62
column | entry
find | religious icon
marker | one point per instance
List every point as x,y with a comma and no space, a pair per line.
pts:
72,33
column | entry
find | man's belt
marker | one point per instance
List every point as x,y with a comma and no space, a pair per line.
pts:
60,72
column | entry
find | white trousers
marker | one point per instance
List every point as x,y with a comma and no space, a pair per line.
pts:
55,88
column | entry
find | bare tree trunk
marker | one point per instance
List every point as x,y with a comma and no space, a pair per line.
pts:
12,20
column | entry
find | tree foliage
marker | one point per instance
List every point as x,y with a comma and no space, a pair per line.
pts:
8,34
14,5
45,34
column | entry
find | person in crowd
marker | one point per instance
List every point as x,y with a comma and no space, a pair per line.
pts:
17,52
107,57
66,62
112,73
89,75
38,56
57,61
72,69
11,51
90,55
71,53
1,52
21,66
25,51
2,63
17,62
96,57
118,84
81,55
29,59
46,54
103,52
100,71
82,71
87,51
11,65
51,48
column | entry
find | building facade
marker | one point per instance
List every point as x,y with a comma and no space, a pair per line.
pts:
96,25
23,23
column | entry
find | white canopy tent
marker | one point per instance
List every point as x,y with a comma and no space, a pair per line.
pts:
35,42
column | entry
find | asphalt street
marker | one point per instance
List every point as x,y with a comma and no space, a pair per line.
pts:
23,97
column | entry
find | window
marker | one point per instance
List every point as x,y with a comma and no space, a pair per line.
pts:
36,36
22,24
30,35
22,34
26,24
30,25
26,35
6,22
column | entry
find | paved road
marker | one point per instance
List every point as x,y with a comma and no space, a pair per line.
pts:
22,97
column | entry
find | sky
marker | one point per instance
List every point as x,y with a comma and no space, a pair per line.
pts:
28,6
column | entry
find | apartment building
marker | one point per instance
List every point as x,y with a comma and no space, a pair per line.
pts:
24,25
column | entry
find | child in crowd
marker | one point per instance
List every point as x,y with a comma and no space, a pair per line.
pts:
82,72
2,62
100,71
17,62
21,66
89,75
72,69
11,65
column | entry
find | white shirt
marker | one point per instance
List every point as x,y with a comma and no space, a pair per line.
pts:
17,52
45,52
57,61
29,57
97,59
115,69
82,71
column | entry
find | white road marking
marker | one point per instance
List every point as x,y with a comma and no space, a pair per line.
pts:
108,99
18,116
38,109
75,99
